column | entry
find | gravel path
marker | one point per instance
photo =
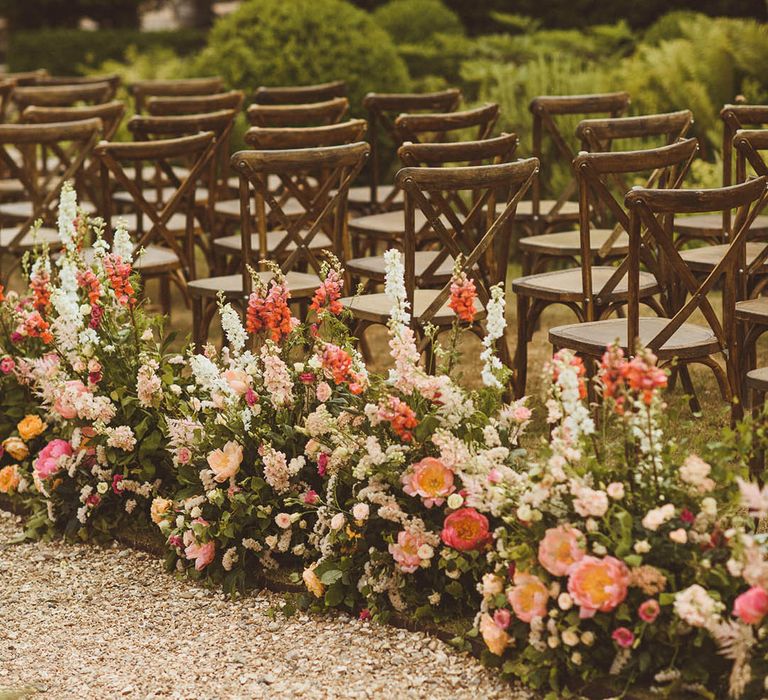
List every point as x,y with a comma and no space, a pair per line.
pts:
83,622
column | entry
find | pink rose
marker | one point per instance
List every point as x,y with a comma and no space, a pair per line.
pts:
238,381
311,497
47,461
406,550
502,618
560,548
430,479
324,391
6,365
116,479
465,529
528,597
598,584
751,606
649,610
623,637
203,554
183,455
65,402
521,414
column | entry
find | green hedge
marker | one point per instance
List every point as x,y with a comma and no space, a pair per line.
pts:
73,52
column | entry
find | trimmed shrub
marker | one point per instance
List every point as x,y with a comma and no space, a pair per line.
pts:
295,42
417,21
72,51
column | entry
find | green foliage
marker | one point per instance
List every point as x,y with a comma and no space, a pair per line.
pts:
294,42
71,51
417,21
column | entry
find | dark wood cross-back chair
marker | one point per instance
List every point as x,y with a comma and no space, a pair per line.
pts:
185,87
62,95
7,87
674,338
154,225
593,291
540,216
112,79
474,235
300,94
284,138
20,154
388,226
325,208
433,264
383,109
194,104
23,78
714,228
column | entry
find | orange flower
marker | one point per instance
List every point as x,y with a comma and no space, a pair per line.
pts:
463,295
328,294
9,478
119,273
270,312
400,416
30,427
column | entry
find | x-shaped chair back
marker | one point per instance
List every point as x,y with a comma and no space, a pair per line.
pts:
333,167
306,114
667,165
187,87
161,154
383,109
546,110
469,237
62,95
300,94
654,210
195,104
21,146
438,128
749,144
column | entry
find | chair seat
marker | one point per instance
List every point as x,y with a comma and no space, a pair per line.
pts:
176,224
568,243
376,307
10,187
230,208
150,195
706,257
569,210
24,209
753,310
757,379
388,224
711,225
301,284
31,239
592,338
234,244
373,266
567,285
361,196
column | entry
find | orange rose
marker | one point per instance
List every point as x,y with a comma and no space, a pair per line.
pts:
312,582
159,507
16,447
9,478
225,463
30,427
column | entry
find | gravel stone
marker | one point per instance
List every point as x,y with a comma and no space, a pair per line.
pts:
83,622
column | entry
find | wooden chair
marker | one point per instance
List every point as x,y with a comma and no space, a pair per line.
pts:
476,236
62,95
433,263
675,339
155,225
6,90
388,226
300,94
593,290
383,109
325,209
194,104
113,79
188,87
23,78
714,228
74,141
541,216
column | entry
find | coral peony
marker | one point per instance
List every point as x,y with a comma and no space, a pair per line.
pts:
494,636
30,427
560,548
751,606
48,460
431,480
406,550
598,584
225,463
465,530
528,597
9,478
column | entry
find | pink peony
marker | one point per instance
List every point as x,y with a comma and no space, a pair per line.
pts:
649,610
528,597
406,551
64,404
560,549
430,479
623,637
465,529
47,461
598,584
203,554
238,381
751,606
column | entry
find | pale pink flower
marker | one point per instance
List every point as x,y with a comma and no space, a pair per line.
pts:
225,462
589,502
324,392
405,551
598,584
431,480
65,404
560,548
283,520
754,498
203,554
238,381
494,636
528,597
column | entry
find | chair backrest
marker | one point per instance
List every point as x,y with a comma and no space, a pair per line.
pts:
30,77
6,89
62,95
275,138
197,150
546,110
667,167
384,108
113,79
306,114
439,127
325,205
174,88
73,142
467,237
599,134
748,144
300,94
194,104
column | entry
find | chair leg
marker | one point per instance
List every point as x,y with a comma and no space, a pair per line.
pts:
757,458
197,323
685,380
520,364
165,294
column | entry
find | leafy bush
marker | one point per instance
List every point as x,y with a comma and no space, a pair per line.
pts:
71,51
417,21
294,42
